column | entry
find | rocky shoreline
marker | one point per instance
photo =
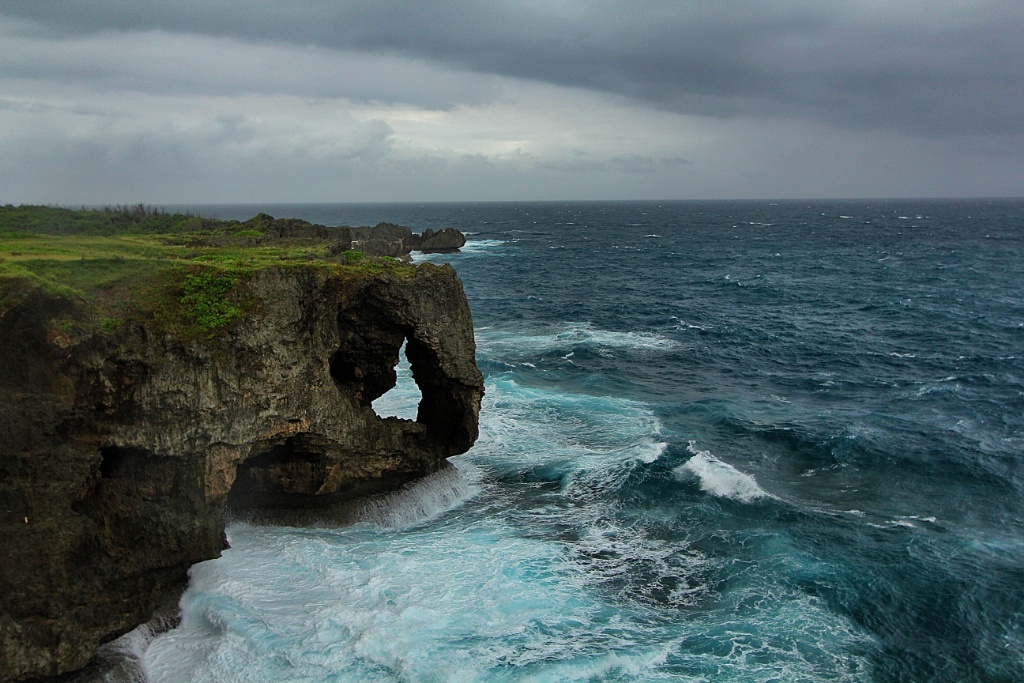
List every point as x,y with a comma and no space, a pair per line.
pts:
383,239
121,447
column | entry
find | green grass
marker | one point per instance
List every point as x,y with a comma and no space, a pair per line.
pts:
138,219
182,280
205,299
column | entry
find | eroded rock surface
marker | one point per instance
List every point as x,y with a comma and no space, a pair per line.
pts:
447,241
383,239
118,450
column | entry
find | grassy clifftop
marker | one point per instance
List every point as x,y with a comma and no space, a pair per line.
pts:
172,269
106,221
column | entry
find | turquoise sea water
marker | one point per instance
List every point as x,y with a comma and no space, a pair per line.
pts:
720,442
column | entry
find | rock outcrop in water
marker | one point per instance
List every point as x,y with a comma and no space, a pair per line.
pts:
445,241
120,448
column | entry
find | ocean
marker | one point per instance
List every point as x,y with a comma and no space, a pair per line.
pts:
721,441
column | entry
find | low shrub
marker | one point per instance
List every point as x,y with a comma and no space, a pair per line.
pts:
204,299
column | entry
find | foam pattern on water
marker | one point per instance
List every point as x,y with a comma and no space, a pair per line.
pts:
568,337
590,444
848,510
718,478
472,248
513,566
423,500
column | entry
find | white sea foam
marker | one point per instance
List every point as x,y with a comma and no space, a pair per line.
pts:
129,652
496,342
718,478
655,451
591,443
359,606
471,248
939,386
930,519
640,568
453,579
902,523
472,603
423,500
681,324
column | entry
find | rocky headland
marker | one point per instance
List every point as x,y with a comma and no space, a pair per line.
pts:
383,239
141,395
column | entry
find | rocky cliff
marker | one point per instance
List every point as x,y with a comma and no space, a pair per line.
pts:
120,447
383,239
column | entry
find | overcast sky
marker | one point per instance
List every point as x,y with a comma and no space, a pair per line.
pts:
303,100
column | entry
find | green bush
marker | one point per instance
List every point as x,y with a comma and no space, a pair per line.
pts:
354,256
204,298
110,323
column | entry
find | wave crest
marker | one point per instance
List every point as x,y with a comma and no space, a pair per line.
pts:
718,478
421,501
568,337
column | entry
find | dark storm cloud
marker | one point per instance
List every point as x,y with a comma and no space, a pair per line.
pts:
936,68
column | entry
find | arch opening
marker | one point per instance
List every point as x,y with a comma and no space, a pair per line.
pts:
403,399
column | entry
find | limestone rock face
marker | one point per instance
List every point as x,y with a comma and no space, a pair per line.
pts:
118,450
388,239
383,239
447,241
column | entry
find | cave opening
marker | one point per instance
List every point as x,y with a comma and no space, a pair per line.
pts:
293,466
112,461
298,480
376,372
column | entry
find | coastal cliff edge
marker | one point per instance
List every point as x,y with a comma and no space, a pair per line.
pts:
121,442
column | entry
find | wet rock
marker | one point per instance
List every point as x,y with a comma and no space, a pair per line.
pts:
446,241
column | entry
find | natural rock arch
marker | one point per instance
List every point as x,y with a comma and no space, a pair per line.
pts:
124,446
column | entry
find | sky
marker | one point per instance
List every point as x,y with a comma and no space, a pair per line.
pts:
196,101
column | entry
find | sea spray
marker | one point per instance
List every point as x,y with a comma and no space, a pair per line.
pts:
423,500
566,337
718,478
589,444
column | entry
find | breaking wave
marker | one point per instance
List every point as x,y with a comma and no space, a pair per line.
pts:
718,478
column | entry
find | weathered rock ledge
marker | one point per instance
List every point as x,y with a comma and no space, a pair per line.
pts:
119,448
383,239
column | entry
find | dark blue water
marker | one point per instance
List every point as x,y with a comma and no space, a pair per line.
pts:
721,442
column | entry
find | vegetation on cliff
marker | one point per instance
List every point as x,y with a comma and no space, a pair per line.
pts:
177,270
151,377
109,220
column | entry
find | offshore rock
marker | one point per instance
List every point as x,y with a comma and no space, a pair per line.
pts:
445,241
119,449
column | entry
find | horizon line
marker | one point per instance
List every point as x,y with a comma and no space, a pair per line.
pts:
82,205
